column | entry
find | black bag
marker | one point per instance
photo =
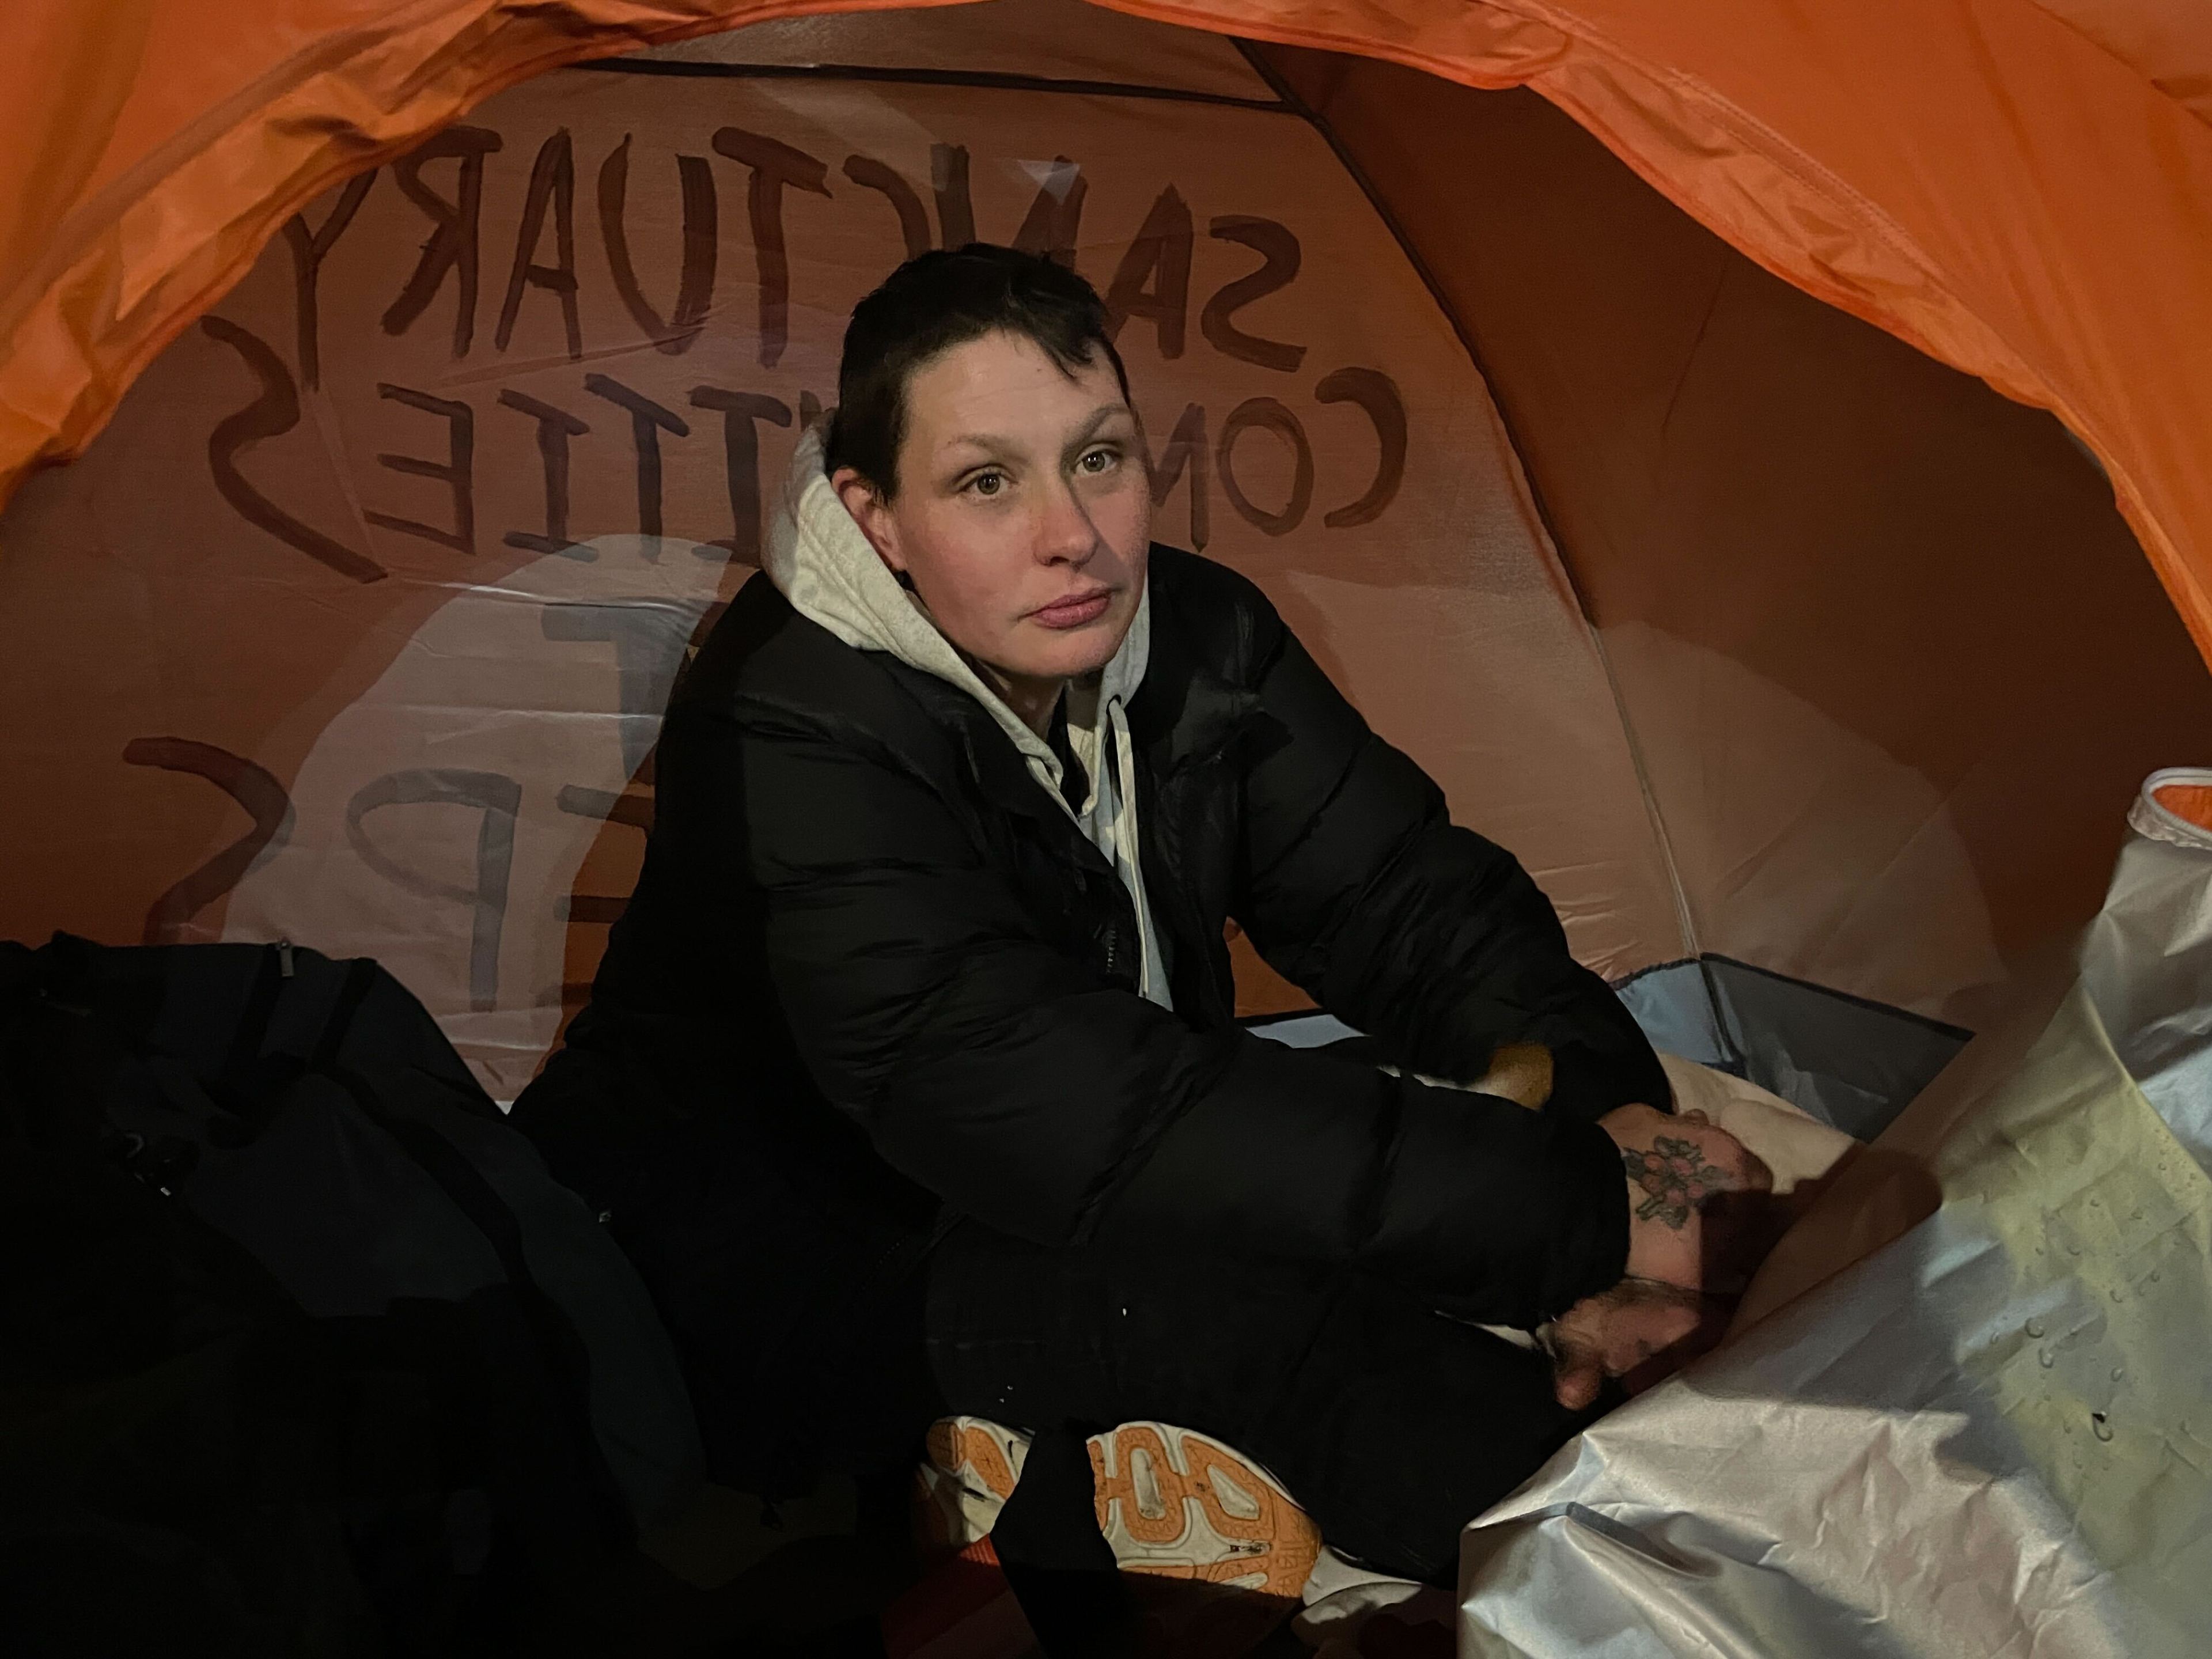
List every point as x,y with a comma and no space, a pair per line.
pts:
301,1350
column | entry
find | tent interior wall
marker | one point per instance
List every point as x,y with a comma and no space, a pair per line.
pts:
1855,603
1753,630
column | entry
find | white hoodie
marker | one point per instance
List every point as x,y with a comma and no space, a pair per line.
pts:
820,561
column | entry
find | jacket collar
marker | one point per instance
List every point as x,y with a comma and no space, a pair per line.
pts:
999,769
1185,712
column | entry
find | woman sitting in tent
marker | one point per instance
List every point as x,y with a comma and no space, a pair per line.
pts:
912,1081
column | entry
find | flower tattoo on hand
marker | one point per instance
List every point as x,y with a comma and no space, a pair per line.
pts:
1675,1178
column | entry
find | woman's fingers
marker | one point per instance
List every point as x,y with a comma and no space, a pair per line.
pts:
1617,1332
1574,1385
1652,1319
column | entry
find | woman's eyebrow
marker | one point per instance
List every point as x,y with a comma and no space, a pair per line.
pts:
993,447
1099,417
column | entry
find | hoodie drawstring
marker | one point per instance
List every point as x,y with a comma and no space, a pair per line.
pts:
1117,750
1150,977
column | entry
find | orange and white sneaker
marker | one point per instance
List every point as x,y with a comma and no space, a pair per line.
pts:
1180,1505
968,1472
1173,1504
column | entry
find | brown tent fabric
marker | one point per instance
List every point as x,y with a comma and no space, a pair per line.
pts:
2015,188
1855,603
404,568
1753,629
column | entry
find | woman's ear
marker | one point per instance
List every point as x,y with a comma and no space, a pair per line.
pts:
873,515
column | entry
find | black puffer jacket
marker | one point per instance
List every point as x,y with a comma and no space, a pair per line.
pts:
870,949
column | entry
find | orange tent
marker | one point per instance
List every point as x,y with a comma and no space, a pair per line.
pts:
2015,186
420,398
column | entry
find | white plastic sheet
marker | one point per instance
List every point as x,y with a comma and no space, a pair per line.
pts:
1990,1436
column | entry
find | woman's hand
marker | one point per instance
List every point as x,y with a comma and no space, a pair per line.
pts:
1619,1331
1695,1203
1680,1171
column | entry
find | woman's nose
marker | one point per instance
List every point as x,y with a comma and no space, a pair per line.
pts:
1065,534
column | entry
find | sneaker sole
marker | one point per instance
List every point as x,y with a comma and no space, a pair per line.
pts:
1171,1502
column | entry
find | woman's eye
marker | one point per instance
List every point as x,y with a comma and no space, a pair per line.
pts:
986,483
1097,461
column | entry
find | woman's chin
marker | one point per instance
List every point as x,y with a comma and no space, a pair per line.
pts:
1068,653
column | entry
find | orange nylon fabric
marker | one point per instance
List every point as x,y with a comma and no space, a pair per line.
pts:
1982,178
149,149
2018,188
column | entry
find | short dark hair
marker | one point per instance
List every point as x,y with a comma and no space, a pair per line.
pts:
933,302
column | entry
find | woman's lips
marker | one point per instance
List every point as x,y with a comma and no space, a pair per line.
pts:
1074,612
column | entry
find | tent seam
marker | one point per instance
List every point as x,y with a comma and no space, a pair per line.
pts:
2059,396
2131,67
990,79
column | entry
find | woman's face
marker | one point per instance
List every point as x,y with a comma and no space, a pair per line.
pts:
1024,512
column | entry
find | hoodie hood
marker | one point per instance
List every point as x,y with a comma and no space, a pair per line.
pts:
819,559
